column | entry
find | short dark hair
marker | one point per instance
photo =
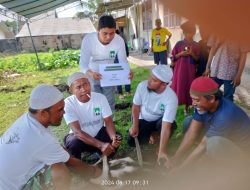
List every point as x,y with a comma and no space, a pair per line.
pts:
106,21
218,95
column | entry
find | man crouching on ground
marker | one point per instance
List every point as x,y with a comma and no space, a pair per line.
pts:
29,153
85,114
154,109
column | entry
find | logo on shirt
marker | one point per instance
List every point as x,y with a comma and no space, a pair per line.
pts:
162,107
97,111
112,54
14,138
158,39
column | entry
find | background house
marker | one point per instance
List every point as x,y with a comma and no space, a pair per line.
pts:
56,33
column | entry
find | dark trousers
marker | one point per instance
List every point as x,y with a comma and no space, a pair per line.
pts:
76,146
229,89
127,88
146,128
160,57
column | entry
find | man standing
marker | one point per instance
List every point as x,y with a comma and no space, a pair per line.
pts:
154,109
226,126
86,112
160,41
102,47
28,150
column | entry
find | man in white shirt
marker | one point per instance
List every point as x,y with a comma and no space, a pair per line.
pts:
101,48
85,114
28,146
154,109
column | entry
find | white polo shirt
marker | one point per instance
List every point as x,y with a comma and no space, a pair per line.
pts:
154,105
90,114
25,148
93,52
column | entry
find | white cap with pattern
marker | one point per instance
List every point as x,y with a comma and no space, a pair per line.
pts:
75,76
163,73
44,96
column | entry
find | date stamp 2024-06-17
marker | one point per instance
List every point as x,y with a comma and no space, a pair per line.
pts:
119,182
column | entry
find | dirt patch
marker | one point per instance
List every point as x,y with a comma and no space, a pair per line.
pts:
62,87
122,106
20,88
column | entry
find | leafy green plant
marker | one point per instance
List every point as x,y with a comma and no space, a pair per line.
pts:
62,59
52,60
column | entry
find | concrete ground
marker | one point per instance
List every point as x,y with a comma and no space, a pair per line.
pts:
242,94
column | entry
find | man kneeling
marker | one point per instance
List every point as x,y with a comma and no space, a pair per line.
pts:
85,113
29,152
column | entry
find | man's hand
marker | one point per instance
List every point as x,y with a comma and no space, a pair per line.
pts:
190,51
236,82
107,149
116,142
134,131
96,76
163,160
184,53
206,73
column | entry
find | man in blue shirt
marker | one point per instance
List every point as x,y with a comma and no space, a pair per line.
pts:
227,126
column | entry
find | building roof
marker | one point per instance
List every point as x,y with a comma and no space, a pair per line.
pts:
31,8
58,26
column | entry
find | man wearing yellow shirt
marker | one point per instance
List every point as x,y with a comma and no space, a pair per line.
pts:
160,38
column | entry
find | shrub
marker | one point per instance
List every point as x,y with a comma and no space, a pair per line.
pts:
52,60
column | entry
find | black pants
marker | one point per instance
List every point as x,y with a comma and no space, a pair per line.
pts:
76,146
146,128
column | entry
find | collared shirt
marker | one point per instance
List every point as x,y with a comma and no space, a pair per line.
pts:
90,115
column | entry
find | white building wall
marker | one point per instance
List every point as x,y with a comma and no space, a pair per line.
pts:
2,35
137,20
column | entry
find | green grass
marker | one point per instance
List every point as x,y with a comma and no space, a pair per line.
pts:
14,93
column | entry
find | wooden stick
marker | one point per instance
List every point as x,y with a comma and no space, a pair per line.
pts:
138,151
105,167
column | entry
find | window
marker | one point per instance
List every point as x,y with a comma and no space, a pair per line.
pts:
171,19
147,20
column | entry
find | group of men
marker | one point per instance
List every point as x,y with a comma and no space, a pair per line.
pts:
29,150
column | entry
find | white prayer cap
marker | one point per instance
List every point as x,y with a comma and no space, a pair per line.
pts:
44,96
75,76
163,73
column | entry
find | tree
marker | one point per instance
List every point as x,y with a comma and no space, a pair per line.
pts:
11,25
84,14
91,7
